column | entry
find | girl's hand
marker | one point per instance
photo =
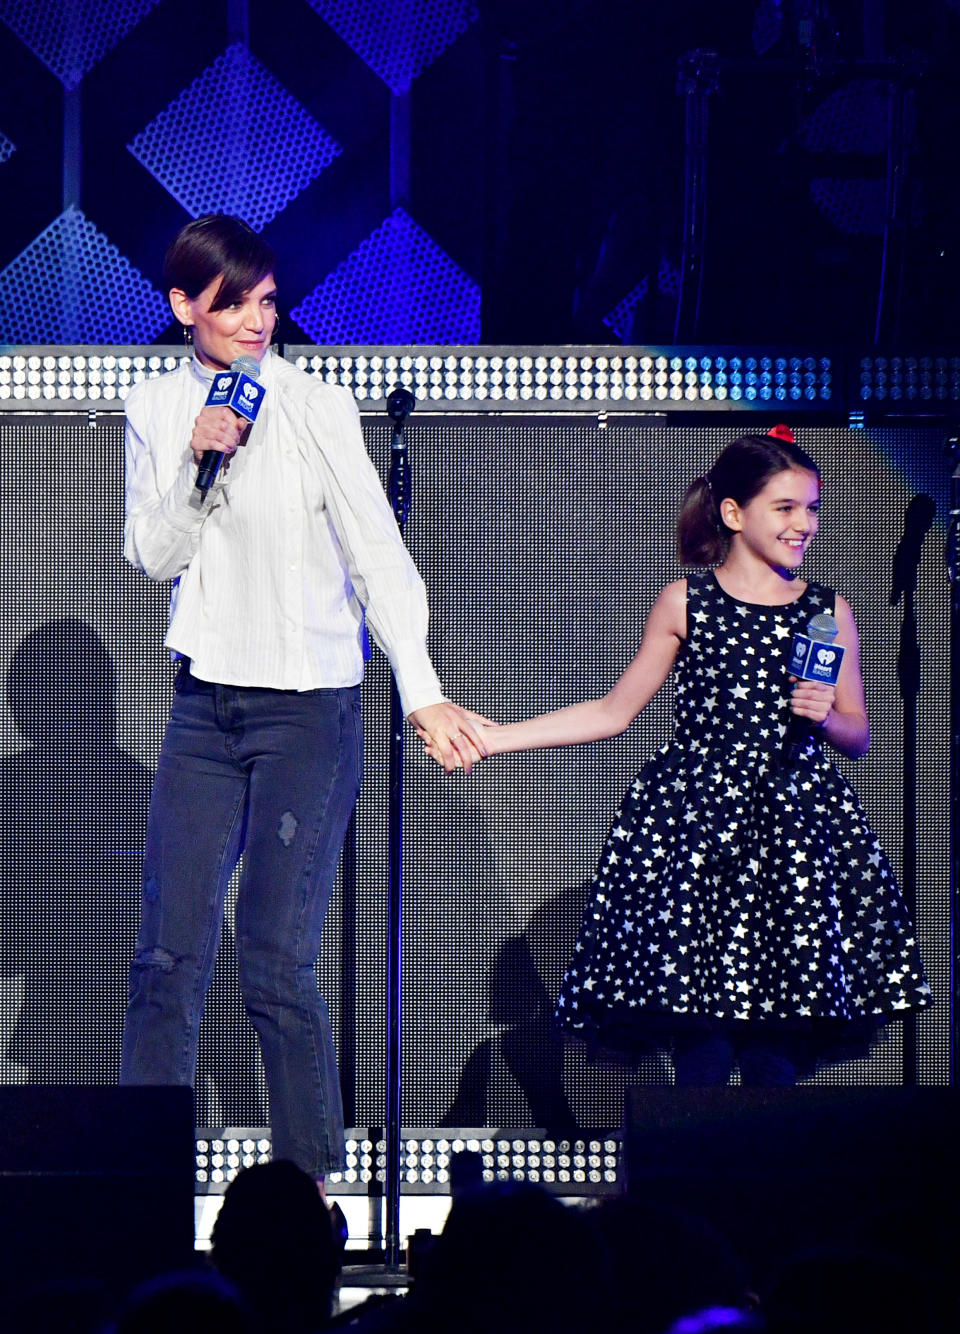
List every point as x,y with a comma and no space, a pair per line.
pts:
812,700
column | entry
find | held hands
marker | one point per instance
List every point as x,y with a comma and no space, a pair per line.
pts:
452,735
216,428
812,700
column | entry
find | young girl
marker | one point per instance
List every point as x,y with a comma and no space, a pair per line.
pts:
742,909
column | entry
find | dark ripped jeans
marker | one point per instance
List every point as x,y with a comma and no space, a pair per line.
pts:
272,774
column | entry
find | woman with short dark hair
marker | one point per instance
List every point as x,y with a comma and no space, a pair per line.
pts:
276,568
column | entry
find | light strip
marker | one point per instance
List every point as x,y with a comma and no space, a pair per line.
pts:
585,379
580,1166
40,376
893,382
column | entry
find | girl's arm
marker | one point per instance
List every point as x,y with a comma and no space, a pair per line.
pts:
594,719
841,710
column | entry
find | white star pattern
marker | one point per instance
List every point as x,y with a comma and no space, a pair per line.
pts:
769,886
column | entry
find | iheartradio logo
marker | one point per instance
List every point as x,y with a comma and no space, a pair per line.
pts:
825,656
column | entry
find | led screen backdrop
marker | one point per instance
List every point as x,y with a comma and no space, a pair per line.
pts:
543,542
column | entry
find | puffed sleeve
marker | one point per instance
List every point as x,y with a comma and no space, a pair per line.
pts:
163,510
386,580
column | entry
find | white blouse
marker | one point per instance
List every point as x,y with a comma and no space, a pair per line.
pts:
274,569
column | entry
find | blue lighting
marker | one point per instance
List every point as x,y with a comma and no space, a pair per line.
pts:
398,286
261,158
70,38
71,285
398,41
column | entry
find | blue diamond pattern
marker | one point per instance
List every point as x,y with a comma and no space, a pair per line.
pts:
768,23
668,278
855,205
853,119
71,285
7,148
620,318
398,41
70,37
249,164
398,286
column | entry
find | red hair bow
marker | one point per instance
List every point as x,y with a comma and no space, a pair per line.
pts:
782,432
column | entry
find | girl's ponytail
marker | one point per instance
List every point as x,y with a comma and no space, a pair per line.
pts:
700,539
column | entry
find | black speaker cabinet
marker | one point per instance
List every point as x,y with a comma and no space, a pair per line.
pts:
778,1171
94,1183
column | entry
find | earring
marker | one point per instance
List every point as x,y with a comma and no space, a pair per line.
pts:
187,335
276,326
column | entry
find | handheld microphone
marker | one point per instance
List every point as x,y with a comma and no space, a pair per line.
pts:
238,390
813,657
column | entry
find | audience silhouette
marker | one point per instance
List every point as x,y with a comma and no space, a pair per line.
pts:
274,1240
511,1259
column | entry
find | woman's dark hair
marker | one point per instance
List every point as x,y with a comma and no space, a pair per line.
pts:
212,245
740,473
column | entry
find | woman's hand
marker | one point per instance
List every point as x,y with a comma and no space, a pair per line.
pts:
484,728
451,735
216,428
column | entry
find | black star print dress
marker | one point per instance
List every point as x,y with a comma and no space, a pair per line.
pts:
733,891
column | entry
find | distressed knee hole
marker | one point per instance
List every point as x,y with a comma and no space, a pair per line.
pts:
157,958
288,828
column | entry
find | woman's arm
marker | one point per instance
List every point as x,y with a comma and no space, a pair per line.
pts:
595,719
164,512
840,711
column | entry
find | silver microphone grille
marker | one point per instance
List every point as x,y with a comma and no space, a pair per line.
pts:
823,628
247,366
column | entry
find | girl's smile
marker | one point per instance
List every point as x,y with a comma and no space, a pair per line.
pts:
781,520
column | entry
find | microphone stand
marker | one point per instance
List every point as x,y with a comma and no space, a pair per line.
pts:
953,569
698,76
906,565
399,406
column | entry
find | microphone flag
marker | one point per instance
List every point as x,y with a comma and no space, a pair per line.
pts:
814,656
237,389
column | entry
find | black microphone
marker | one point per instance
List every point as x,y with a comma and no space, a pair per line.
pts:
813,657
920,514
238,390
400,404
